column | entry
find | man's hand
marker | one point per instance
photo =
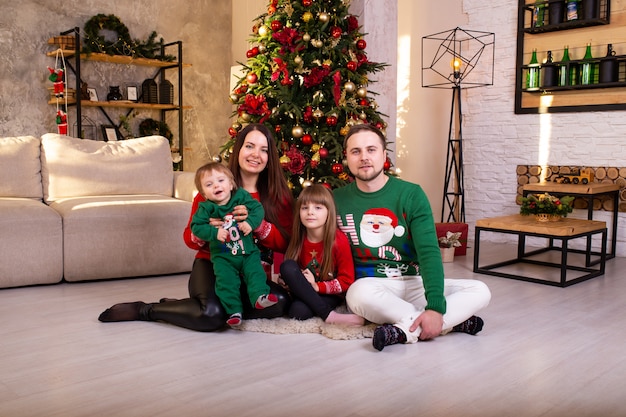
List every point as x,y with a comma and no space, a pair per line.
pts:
431,323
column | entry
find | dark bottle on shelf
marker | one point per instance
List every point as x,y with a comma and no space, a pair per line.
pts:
555,12
532,75
587,67
609,69
591,9
550,72
564,70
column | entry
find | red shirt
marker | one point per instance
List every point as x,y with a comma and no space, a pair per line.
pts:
343,267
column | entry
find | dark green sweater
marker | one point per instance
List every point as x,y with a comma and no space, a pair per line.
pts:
392,231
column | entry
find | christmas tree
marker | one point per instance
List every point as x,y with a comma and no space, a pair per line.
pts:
306,78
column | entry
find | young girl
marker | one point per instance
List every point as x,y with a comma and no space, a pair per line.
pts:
318,267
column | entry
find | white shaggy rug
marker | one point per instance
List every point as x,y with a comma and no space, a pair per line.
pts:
283,325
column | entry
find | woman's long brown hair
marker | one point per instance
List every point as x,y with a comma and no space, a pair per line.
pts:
272,185
315,194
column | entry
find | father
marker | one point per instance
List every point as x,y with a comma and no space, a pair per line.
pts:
400,282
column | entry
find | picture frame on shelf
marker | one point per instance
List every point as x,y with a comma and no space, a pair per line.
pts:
132,94
109,133
93,94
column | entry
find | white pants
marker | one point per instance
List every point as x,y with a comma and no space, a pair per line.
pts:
401,301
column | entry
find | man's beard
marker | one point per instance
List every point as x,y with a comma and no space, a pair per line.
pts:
368,177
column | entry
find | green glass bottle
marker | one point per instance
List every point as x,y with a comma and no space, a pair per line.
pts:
564,68
586,68
532,75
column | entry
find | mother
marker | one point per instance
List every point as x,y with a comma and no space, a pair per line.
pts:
256,167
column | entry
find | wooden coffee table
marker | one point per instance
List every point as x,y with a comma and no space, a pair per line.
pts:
565,230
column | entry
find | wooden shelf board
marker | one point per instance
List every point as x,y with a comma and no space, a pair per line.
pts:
119,59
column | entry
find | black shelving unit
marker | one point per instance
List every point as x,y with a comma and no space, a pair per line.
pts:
161,68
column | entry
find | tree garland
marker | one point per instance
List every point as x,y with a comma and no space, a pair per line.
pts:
124,45
149,127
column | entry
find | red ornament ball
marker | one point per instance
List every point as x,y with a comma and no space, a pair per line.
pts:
364,102
336,32
387,164
232,132
327,185
307,3
337,168
307,140
361,44
277,128
323,153
379,125
331,121
352,66
276,25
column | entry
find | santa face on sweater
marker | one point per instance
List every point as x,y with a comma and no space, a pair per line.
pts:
378,226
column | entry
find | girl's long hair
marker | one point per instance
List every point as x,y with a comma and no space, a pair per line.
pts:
315,194
272,185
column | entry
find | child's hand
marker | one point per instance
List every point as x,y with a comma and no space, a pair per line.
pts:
311,278
245,228
222,235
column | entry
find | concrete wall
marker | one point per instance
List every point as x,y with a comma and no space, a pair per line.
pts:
202,25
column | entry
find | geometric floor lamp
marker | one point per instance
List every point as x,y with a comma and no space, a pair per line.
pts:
452,59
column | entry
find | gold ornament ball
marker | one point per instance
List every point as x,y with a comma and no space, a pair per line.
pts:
234,97
344,130
306,37
297,132
315,147
363,116
246,117
324,17
317,43
217,158
262,48
237,126
306,16
361,92
306,183
284,160
263,30
349,86
297,60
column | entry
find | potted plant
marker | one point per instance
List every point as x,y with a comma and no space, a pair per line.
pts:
546,207
448,243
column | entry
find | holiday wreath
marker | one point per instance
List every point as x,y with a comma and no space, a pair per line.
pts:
123,44
149,127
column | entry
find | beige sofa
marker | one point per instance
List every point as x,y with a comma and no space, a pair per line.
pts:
84,210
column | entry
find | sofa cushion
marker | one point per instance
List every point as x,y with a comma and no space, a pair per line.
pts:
31,243
20,167
74,167
123,236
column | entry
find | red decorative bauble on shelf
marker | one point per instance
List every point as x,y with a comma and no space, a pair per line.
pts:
361,44
337,168
307,139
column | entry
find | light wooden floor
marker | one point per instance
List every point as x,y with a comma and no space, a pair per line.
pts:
544,351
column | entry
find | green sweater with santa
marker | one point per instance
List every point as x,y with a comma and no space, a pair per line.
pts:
392,232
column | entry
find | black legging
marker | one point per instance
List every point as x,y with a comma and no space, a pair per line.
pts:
202,311
306,301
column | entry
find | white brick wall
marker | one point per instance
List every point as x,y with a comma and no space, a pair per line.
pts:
496,140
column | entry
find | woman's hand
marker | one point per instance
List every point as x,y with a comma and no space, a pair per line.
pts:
240,213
